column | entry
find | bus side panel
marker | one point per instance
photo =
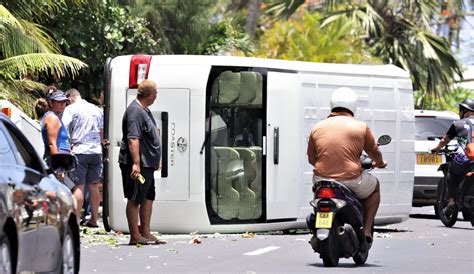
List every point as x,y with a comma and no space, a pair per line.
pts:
403,200
119,67
385,112
191,212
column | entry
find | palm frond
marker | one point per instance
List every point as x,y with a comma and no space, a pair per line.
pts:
420,11
283,8
22,37
45,41
21,93
37,11
55,64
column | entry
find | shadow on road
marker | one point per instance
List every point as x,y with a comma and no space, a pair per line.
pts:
424,216
345,265
462,228
391,230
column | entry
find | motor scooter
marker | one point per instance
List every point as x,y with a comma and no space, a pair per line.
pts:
337,223
465,197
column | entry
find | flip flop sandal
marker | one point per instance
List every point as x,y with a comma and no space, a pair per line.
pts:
158,242
141,241
154,240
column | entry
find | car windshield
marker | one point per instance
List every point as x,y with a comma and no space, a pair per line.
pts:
431,126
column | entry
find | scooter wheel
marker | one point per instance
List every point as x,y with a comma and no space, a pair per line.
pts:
442,202
466,214
329,248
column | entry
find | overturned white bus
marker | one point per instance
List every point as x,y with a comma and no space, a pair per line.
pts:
234,133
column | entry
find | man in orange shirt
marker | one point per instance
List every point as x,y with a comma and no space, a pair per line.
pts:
334,149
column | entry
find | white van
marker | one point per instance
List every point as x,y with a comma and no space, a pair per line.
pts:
234,133
29,127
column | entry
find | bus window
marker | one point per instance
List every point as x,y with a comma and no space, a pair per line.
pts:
236,187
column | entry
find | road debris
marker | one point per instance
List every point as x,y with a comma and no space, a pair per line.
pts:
248,235
195,241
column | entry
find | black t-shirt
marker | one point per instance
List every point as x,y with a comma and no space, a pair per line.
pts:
138,123
460,128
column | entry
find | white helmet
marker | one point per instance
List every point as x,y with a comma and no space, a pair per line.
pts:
344,98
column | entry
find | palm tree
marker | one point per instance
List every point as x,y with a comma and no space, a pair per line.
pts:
26,50
399,33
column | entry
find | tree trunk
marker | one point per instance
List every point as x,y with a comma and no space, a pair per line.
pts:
254,13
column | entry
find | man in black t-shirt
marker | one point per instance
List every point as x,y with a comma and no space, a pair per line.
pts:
460,164
139,158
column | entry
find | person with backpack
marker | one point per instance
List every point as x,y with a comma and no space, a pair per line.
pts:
462,130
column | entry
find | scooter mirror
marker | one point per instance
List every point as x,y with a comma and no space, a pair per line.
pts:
384,140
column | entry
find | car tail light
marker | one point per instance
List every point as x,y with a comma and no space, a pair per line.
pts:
326,193
7,112
139,68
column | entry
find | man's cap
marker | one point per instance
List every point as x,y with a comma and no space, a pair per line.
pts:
57,96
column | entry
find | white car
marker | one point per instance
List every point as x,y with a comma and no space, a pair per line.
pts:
430,127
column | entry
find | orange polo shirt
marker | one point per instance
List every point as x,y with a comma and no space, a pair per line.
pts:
337,143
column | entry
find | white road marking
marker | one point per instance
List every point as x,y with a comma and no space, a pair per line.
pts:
262,250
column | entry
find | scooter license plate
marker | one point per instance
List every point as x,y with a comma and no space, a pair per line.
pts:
324,219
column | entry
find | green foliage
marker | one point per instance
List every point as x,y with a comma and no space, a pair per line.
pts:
95,32
448,102
190,26
223,37
28,53
304,39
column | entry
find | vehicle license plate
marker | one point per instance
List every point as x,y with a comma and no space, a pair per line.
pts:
428,159
324,219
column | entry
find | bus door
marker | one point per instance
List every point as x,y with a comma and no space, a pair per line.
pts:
171,113
283,151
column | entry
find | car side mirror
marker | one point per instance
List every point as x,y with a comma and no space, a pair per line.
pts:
61,162
384,140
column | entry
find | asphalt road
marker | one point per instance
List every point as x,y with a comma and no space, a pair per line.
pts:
421,244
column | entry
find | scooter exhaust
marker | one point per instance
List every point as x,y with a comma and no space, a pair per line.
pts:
348,240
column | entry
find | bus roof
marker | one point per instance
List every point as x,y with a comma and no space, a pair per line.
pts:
379,70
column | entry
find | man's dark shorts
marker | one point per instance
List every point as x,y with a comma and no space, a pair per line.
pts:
88,169
134,190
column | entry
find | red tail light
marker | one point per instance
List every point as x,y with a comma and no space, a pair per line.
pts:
325,209
326,193
139,67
